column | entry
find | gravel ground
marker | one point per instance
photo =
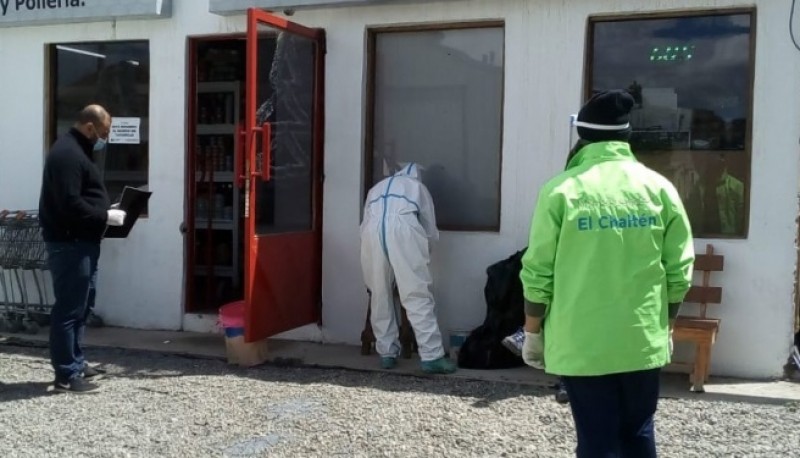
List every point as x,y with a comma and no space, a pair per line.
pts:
155,405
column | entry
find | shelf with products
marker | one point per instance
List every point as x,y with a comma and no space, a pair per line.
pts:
216,177
216,232
125,175
217,104
218,202
215,129
215,224
222,271
212,291
214,156
221,63
218,229
214,255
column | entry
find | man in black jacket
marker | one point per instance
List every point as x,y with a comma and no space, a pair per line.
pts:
74,209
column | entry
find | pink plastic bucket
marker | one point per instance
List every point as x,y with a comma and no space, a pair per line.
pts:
232,315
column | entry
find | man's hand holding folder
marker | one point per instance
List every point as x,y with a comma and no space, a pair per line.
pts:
123,215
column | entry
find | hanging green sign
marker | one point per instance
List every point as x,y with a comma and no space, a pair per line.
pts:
676,53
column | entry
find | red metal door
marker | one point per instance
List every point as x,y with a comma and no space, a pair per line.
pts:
282,175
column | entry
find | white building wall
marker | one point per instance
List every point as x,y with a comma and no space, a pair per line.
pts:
142,277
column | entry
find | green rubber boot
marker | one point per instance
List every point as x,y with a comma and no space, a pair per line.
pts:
387,362
442,365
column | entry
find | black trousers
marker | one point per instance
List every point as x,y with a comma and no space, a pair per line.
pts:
73,267
614,414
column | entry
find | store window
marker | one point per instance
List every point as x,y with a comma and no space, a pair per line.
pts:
691,77
116,75
436,99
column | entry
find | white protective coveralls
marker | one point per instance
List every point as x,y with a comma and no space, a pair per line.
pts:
399,221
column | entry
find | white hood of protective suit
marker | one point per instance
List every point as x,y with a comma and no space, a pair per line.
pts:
401,194
411,170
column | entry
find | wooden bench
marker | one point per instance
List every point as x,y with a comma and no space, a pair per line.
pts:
408,343
699,329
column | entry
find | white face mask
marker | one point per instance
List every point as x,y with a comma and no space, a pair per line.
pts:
100,144
574,124
573,130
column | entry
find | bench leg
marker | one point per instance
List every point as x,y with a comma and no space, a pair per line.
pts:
702,363
708,365
406,336
367,336
408,341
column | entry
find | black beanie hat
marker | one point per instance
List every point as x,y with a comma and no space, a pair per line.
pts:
610,108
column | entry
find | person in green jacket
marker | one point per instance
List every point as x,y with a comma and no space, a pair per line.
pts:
608,264
715,204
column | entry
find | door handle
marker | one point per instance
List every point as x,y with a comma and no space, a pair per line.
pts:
266,152
239,155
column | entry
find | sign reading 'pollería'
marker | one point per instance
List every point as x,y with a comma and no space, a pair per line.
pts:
35,12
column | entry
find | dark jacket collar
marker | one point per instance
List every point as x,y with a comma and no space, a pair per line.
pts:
82,140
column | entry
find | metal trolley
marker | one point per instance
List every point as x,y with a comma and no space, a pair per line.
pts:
23,273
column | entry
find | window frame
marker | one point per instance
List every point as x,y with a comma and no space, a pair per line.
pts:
371,101
588,78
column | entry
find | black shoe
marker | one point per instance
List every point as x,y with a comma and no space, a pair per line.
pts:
77,385
92,373
561,396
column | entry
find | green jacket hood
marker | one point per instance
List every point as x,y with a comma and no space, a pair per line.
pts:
602,152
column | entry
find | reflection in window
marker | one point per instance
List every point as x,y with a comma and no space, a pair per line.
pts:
438,102
117,76
691,78
286,101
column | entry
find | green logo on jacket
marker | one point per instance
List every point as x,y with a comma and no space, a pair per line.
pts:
588,223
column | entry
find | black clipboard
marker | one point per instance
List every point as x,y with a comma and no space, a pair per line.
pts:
132,202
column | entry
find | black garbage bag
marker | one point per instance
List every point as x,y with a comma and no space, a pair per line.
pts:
505,313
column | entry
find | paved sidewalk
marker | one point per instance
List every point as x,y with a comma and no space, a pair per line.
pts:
308,354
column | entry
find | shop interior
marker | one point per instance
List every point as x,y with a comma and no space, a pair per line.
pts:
215,200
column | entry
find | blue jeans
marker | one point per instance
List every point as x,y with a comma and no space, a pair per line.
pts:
73,266
614,414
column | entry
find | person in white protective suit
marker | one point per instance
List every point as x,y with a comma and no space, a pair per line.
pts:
399,222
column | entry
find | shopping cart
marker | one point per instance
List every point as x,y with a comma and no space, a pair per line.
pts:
23,272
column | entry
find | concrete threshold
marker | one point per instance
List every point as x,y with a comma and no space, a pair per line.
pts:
285,352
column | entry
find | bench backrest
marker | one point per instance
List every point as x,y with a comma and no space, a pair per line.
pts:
705,294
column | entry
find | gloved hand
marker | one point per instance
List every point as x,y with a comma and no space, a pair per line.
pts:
116,217
533,350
